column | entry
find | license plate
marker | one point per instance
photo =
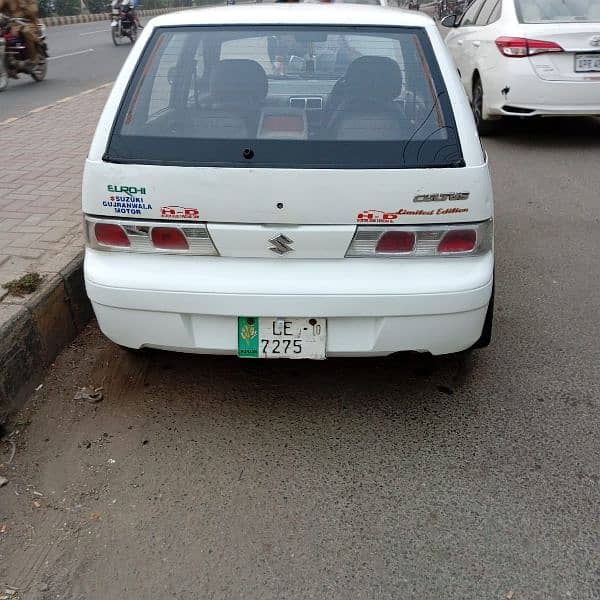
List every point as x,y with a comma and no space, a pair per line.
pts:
587,63
274,337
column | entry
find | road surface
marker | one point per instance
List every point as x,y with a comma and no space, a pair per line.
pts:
81,57
217,478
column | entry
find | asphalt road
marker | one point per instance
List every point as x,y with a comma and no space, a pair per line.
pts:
200,477
81,57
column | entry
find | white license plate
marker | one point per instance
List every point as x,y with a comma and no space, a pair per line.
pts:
278,337
587,63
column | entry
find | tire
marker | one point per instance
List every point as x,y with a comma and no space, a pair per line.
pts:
39,71
115,37
485,127
3,82
133,34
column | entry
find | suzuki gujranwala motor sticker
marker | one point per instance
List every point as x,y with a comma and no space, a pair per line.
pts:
127,200
373,215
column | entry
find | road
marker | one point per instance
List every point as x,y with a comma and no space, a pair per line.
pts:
201,477
81,57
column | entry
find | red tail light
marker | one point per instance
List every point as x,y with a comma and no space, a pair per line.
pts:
109,234
169,238
396,242
458,240
515,47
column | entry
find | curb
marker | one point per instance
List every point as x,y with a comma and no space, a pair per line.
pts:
34,330
74,19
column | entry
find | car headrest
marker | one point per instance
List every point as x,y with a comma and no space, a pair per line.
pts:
375,77
238,80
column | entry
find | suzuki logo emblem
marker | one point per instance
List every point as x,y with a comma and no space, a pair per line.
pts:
281,244
595,41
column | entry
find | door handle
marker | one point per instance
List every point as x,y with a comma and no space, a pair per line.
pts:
476,44
459,42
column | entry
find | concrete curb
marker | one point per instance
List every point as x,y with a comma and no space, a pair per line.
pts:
74,19
35,329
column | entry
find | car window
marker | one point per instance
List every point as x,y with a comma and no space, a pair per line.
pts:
496,13
293,95
558,11
471,13
486,12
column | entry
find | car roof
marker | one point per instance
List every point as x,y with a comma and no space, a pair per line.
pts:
295,14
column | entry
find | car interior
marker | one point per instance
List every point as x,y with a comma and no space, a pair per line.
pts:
326,95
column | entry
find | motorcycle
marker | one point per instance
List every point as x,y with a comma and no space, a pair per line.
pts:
13,51
123,24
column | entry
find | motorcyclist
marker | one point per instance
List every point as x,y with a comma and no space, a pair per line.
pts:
28,11
115,4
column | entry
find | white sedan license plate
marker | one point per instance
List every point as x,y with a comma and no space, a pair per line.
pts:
587,63
274,337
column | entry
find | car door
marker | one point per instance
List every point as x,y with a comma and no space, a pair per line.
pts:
459,41
482,46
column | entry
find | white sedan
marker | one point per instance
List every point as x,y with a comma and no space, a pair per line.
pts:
528,57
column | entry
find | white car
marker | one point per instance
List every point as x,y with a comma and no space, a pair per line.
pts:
290,181
527,58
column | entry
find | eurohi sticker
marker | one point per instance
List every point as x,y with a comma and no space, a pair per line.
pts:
380,216
127,190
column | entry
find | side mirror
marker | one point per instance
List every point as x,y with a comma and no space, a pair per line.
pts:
449,21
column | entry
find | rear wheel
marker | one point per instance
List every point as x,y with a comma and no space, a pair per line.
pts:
133,33
484,126
39,71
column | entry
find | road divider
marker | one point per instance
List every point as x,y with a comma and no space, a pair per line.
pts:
76,19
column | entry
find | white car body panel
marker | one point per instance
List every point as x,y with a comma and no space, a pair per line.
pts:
544,84
373,306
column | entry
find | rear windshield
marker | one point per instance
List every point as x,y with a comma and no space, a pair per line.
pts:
558,11
343,97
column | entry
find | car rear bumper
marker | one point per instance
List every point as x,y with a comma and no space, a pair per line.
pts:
373,307
530,96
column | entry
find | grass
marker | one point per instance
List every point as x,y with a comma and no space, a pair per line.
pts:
27,284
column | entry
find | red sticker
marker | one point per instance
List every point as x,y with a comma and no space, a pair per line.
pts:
179,212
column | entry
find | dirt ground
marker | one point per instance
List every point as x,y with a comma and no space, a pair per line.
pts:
139,495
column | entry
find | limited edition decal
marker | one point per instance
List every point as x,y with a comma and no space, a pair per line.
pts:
381,216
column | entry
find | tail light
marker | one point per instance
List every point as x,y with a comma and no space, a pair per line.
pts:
146,236
111,234
169,238
515,47
458,240
398,241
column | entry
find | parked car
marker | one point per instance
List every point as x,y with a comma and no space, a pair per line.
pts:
330,198
528,57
